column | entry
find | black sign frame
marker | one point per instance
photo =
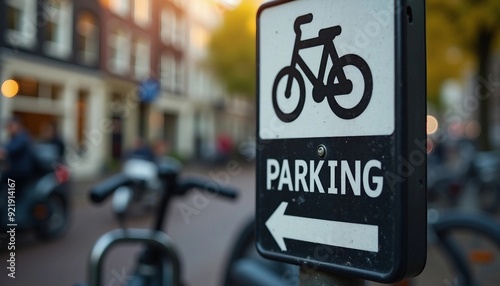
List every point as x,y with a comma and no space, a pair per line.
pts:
407,255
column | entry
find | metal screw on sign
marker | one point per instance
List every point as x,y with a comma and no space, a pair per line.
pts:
322,151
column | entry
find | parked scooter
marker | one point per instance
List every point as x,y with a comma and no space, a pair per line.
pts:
143,193
42,203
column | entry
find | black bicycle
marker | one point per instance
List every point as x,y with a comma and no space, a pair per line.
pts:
470,243
159,263
337,83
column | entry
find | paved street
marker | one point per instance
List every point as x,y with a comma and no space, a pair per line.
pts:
203,242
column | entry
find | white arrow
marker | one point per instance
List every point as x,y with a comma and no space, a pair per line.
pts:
334,233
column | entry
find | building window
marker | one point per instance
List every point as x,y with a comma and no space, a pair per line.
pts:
119,51
30,87
167,79
172,73
87,39
180,30
14,18
120,7
142,12
167,26
201,83
141,59
21,23
58,28
179,75
173,29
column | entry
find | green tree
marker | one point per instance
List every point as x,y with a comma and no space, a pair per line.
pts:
464,33
232,49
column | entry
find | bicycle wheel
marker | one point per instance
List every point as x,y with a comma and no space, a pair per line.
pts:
362,66
472,243
296,76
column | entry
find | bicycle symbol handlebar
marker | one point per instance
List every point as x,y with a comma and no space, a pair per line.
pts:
301,20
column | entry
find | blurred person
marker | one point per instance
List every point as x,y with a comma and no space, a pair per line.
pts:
161,148
41,206
50,135
224,147
17,154
141,149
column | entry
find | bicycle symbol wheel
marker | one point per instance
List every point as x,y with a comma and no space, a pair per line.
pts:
362,66
296,76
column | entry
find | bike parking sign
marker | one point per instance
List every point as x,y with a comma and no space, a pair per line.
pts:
341,135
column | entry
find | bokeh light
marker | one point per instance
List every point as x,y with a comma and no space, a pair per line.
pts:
10,88
432,124
430,146
472,130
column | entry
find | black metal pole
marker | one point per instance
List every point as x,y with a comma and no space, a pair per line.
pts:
170,183
310,277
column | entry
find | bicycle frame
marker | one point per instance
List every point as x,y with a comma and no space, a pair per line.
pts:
328,50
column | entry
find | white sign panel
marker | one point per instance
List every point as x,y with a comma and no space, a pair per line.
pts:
325,71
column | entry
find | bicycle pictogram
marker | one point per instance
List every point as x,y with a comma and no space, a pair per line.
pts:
337,82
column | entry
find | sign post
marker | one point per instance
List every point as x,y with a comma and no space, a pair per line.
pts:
341,157
324,278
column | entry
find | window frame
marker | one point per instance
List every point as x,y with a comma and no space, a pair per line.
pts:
121,42
167,72
89,55
62,46
26,36
141,70
180,29
167,26
175,67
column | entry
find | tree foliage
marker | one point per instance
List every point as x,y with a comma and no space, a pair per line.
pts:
232,49
453,29
463,35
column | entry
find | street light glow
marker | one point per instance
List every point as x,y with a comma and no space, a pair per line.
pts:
10,88
432,124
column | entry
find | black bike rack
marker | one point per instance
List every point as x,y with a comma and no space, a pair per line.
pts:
154,239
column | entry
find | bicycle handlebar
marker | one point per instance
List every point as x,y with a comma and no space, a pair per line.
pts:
304,19
100,192
103,190
209,186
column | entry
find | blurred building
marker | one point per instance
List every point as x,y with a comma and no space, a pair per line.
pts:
215,113
51,49
144,62
110,71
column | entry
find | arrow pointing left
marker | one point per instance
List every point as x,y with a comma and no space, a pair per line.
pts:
334,233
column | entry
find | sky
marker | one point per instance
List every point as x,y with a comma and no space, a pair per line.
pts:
230,2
